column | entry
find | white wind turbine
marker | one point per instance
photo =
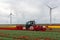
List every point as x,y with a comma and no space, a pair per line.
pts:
50,12
11,16
51,5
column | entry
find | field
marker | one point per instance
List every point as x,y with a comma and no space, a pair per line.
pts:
28,35
49,34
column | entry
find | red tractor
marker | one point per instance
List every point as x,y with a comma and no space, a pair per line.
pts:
30,25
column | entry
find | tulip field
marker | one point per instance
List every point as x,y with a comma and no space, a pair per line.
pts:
28,35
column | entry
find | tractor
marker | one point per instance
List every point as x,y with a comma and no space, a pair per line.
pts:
31,25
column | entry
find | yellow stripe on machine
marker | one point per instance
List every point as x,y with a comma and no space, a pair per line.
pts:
7,26
11,26
53,26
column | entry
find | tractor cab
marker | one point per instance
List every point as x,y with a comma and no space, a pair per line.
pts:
30,23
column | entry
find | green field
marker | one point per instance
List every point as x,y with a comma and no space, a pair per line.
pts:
32,35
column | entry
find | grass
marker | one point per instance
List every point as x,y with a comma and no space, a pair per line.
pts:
31,34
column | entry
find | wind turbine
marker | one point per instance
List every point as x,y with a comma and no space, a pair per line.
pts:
10,15
10,18
51,8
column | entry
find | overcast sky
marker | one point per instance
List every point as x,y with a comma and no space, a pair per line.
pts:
25,10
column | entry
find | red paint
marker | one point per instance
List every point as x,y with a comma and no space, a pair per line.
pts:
19,27
39,28
36,27
43,28
7,28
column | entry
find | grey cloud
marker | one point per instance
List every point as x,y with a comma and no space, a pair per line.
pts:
24,10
